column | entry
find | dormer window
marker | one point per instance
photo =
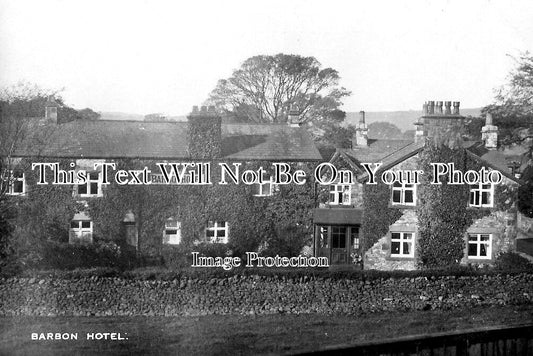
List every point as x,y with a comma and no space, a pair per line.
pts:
403,194
482,195
340,194
172,232
81,231
93,187
17,183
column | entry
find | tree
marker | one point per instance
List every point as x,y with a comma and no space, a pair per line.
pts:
384,131
513,106
263,89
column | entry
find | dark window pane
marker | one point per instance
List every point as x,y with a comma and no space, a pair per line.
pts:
485,198
484,237
472,249
74,224
221,223
93,176
395,248
94,188
171,232
82,189
483,250
472,237
409,196
396,196
18,174
395,235
18,187
85,224
406,248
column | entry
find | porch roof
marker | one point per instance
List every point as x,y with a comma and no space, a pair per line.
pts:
338,216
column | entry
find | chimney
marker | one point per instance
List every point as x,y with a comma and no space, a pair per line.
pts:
361,132
293,119
438,119
489,133
50,109
419,131
204,133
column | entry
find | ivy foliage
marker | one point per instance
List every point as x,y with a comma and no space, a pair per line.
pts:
443,213
281,223
377,215
204,136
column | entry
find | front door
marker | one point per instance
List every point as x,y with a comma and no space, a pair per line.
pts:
339,245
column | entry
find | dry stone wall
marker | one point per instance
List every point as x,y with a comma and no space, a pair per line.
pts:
101,296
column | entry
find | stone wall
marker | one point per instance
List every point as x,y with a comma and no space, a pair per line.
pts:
101,296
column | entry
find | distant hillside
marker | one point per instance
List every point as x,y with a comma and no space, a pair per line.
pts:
136,117
404,120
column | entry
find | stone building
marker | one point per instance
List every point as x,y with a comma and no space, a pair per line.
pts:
340,223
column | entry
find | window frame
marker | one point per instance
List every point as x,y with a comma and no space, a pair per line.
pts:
478,242
98,181
167,238
478,190
401,240
402,189
260,189
12,180
80,231
340,195
216,228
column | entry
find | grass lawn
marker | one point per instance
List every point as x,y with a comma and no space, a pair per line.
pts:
241,335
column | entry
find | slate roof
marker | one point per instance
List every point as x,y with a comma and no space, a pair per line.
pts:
165,140
392,152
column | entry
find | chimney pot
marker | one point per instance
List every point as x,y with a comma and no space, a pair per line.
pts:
195,109
447,108
211,108
362,117
431,108
203,109
425,108
456,107
439,108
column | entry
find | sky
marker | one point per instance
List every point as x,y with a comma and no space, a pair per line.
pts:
161,56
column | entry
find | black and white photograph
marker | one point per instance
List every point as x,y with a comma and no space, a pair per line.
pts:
266,178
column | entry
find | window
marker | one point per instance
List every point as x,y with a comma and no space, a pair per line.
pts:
481,195
16,184
81,231
338,236
354,236
217,232
402,244
480,246
172,232
93,187
340,194
403,194
266,189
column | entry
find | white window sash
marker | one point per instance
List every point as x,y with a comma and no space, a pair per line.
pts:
89,192
478,242
402,192
341,194
220,233
401,240
476,196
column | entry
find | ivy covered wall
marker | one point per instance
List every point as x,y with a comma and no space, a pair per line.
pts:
280,224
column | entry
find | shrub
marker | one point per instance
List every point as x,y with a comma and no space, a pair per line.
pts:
512,261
